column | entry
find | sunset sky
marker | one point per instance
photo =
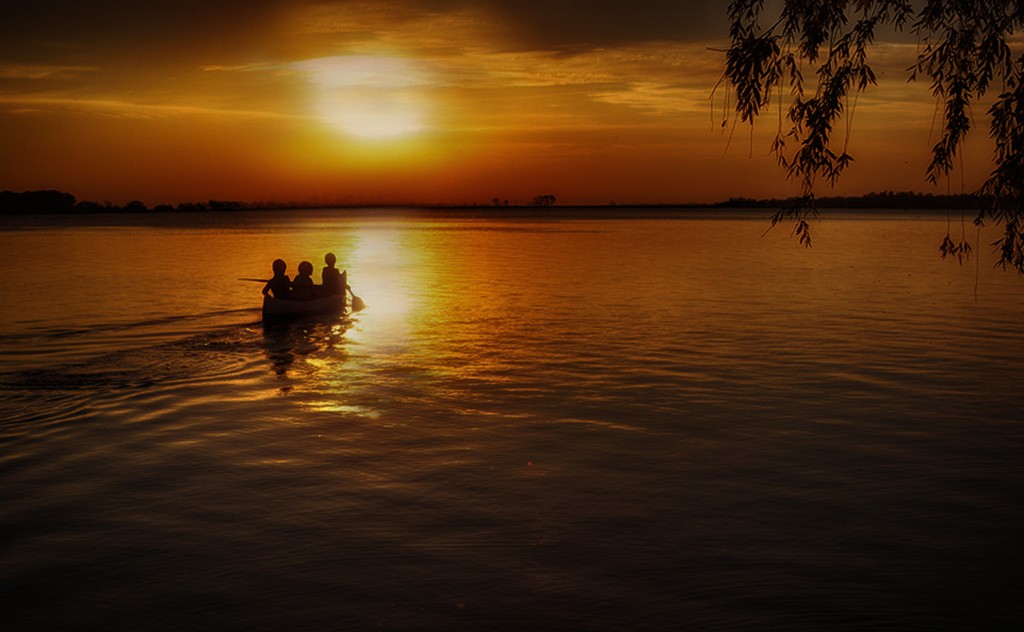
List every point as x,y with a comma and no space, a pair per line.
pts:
426,101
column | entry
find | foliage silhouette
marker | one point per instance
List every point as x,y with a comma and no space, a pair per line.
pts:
48,201
964,51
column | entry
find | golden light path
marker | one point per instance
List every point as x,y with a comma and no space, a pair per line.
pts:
369,97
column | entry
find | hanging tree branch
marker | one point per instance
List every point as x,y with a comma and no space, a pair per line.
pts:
964,51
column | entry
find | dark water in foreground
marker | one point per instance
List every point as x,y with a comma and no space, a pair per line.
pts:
538,423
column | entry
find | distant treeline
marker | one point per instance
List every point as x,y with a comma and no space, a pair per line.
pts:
59,202
882,200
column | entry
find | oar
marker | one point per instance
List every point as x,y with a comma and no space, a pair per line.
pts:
257,280
357,303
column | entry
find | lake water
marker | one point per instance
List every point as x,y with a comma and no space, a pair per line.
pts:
563,421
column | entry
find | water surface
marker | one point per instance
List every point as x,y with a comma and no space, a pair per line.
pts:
557,422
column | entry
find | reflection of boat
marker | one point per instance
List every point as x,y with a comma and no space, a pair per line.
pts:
288,340
280,308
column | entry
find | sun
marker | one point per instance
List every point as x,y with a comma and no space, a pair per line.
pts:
368,97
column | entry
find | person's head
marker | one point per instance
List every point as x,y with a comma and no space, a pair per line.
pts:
305,268
330,259
279,266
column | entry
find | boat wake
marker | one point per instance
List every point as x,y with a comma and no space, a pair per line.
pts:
125,326
216,365
52,346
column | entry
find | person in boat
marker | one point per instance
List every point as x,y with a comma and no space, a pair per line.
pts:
335,281
280,285
303,288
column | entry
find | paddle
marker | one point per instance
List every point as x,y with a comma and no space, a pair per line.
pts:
357,303
257,280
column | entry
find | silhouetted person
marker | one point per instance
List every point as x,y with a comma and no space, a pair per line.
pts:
302,286
334,281
280,285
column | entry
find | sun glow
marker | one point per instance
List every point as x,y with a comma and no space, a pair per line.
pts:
369,97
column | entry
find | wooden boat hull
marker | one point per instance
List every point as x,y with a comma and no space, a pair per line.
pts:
277,308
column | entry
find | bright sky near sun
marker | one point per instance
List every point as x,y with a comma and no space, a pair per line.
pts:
422,101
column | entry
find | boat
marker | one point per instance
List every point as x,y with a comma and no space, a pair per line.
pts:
283,308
